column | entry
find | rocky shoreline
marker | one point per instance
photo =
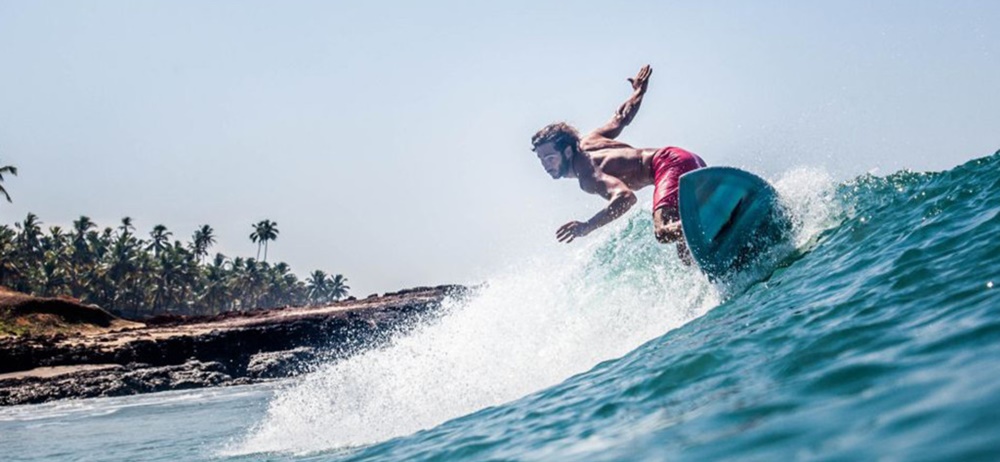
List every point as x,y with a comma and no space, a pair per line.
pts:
229,349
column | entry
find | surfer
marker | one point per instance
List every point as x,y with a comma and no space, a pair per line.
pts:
614,170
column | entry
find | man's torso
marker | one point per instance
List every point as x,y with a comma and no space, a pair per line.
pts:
630,165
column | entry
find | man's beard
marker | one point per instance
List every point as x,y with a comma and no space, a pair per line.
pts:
564,166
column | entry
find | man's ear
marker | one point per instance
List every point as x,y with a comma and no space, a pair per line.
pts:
568,152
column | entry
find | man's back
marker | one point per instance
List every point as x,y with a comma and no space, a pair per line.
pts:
612,157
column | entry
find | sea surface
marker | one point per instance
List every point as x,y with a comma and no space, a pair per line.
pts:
877,338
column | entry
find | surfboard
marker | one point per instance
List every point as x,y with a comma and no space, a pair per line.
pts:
729,217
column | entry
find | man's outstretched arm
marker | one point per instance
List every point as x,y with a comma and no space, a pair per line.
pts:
620,200
627,111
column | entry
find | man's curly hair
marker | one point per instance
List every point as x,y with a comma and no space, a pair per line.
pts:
560,134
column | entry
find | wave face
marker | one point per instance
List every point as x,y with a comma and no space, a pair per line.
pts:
880,337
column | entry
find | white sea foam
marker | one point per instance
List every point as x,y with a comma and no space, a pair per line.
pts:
808,193
529,328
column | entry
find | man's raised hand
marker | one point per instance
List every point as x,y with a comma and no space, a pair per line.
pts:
641,80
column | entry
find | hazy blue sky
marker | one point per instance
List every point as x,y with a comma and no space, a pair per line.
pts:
390,140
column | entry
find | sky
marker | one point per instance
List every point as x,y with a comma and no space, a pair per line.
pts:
390,141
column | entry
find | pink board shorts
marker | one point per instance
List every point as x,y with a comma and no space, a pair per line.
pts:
668,165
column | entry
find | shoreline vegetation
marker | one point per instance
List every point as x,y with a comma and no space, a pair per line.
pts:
140,278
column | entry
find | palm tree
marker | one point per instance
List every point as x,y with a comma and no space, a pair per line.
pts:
80,228
31,234
122,268
161,239
286,289
253,278
100,243
273,290
318,286
126,226
56,240
237,282
216,293
10,272
54,274
56,263
6,169
81,249
338,287
82,257
263,232
255,237
202,239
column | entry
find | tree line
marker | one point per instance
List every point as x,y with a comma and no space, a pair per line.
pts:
139,277
136,277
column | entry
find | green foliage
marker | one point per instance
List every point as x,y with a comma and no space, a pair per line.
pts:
323,288
134,277
263,232
6,169
10,329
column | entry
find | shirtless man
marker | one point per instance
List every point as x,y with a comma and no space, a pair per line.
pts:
613,169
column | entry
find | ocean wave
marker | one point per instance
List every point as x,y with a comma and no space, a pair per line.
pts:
877,339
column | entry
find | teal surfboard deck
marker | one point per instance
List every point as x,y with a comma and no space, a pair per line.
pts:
729,217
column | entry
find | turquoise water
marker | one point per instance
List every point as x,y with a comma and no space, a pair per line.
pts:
879,339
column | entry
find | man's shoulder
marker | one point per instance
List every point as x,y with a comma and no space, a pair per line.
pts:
595,142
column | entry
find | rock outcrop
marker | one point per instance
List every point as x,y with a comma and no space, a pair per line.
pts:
229,349
26,315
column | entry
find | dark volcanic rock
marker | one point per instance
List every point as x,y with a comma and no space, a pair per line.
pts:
230,349
274,364
114,380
